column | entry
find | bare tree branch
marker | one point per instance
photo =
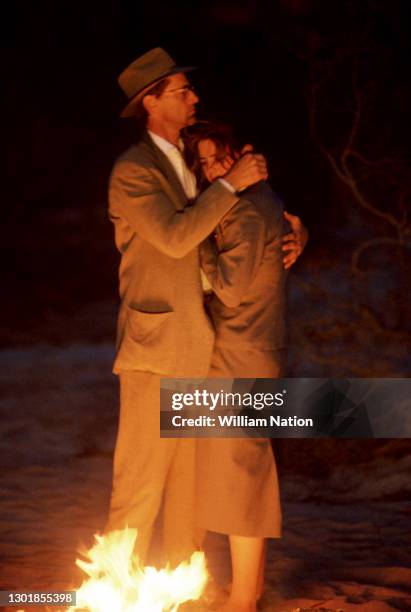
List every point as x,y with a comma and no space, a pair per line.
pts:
341,169
373,162
403,208
373,242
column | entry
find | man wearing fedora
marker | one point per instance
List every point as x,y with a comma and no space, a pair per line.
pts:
163,329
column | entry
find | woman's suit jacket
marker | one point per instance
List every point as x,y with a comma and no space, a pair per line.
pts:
244,264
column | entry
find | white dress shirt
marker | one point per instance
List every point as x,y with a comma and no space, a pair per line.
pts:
175,157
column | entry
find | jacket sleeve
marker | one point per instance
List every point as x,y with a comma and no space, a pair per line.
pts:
137,195
231,268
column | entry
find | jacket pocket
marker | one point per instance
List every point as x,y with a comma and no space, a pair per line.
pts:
142,325
148,343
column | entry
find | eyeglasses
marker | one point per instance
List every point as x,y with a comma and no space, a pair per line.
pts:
185,90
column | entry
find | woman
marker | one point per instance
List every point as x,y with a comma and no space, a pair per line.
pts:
243,265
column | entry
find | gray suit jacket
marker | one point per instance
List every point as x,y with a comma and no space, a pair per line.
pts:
243,263
162,325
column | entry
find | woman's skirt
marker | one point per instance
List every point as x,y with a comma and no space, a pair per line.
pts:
237,483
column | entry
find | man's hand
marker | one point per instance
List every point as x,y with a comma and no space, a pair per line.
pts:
294,242
246,171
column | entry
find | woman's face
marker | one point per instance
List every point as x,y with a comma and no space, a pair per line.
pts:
214,163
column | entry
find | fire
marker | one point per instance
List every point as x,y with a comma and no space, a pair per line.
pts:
117,583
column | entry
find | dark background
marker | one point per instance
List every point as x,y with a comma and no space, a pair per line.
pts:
259,63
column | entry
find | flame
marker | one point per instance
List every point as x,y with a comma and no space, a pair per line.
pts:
117,583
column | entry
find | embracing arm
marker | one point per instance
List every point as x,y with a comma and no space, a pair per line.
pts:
137,195
231,270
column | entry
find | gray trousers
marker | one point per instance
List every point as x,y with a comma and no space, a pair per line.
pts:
149,472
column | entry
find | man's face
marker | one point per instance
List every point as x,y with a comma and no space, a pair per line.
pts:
176,105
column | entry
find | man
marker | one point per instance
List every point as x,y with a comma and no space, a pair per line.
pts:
163,329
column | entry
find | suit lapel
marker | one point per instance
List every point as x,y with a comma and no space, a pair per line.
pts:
166,168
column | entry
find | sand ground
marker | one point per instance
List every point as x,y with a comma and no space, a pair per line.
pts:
344,546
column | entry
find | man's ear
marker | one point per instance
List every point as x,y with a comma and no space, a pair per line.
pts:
149,102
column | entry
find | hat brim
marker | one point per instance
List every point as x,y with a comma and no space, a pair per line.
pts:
130,108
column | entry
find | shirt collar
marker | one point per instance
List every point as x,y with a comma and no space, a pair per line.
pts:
164,144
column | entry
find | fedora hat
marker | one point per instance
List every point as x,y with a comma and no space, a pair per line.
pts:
145,72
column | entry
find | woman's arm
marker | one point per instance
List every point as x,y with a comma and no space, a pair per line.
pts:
231,268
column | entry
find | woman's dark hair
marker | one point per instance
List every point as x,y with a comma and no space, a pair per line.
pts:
219,133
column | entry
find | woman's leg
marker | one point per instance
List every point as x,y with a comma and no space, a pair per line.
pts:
227,497
246,559
261,572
